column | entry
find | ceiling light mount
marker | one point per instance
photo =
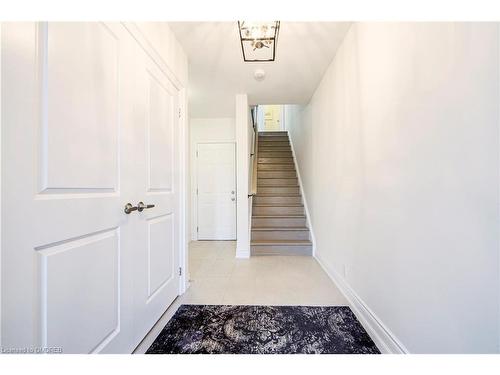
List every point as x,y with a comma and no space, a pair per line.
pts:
258,40
259,75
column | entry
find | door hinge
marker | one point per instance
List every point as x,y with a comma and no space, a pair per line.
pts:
196,191
180,271
179,113
196,153
197,229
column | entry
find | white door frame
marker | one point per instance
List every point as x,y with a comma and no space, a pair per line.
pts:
195,179
282,117
184,195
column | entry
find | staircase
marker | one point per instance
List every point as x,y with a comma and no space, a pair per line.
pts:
278,216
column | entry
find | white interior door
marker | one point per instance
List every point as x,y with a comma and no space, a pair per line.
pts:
157,257
216,179
88,125
65,135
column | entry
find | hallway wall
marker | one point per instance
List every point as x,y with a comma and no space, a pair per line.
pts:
398,151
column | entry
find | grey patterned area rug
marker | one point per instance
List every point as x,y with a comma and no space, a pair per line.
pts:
214,329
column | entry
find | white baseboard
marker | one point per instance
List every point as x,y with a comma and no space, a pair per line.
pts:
301,186
385,340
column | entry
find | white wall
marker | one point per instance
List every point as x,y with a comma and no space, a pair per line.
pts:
242,161
205,130
399,155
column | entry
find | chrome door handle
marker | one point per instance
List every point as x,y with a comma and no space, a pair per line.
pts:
141,206
129,208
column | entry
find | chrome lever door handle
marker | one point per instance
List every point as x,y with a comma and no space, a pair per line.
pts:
129,208
141,206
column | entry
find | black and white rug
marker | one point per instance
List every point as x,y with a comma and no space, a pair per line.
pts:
214,329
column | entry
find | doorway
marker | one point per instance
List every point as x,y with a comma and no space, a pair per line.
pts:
216,191
270,117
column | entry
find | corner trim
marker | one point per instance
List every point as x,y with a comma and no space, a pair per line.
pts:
306,207
242,254
385,340
183,191
137,34
498,155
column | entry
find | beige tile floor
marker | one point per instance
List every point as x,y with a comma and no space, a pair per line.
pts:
217,277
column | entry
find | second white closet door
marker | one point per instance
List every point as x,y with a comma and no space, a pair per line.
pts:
216,191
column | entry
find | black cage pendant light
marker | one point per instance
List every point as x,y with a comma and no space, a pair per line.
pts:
258,40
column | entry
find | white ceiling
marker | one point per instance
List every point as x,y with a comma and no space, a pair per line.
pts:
217,71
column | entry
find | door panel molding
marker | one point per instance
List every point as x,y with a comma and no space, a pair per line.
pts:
74,58
90,254
154,260
159,181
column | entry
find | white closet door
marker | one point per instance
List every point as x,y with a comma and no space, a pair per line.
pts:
67,143
89,123
216,191
157,142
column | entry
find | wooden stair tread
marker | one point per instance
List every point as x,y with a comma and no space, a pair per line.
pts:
288,229
277,178
278,216
278,205
277,186
281,242
277,162
277,195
